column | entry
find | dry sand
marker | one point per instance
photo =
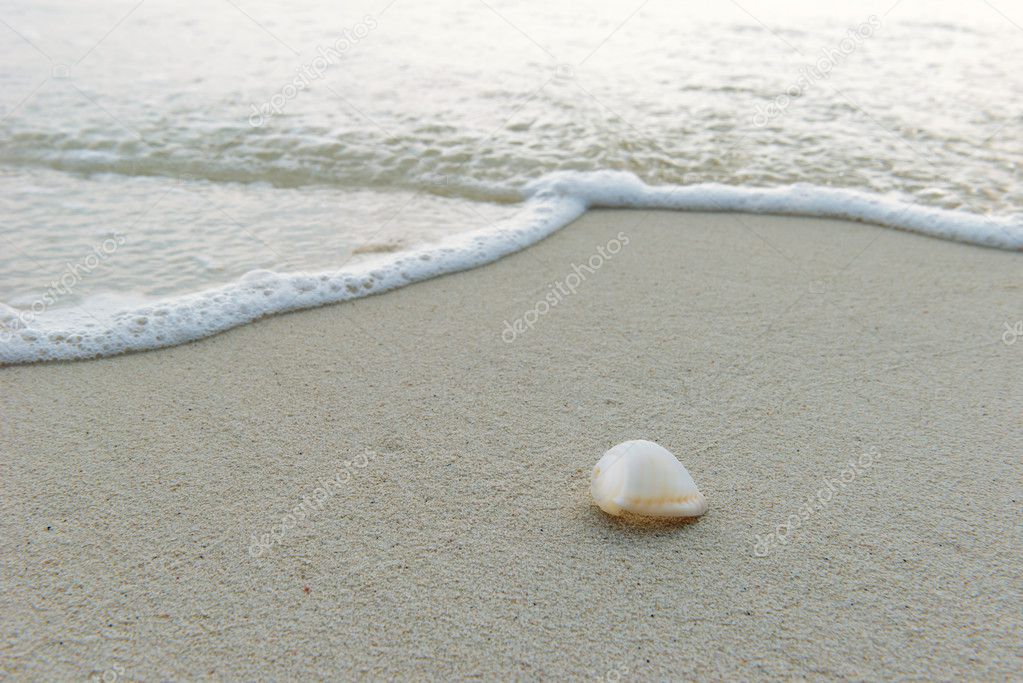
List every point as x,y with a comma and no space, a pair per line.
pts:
766,352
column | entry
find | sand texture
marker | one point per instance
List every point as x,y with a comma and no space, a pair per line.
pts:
841,393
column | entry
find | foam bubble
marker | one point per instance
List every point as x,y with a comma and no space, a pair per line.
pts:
550,203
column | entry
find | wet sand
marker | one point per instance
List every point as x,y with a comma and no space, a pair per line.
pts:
396,487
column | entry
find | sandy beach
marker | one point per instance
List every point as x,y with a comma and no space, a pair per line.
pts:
397,488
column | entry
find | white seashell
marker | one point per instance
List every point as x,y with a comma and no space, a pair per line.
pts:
645,479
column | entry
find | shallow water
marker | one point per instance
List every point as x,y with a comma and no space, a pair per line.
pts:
151,151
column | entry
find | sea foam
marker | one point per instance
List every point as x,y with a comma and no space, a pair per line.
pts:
548,204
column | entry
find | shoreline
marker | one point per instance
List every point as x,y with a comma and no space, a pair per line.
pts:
548,205
766,352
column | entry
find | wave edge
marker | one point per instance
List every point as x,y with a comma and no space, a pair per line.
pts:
549,204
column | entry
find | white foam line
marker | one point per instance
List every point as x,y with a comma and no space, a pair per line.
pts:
625,190
550,203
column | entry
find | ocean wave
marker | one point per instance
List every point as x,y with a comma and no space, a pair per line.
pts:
549,204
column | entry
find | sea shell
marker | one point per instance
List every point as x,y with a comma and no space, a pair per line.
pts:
645,479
